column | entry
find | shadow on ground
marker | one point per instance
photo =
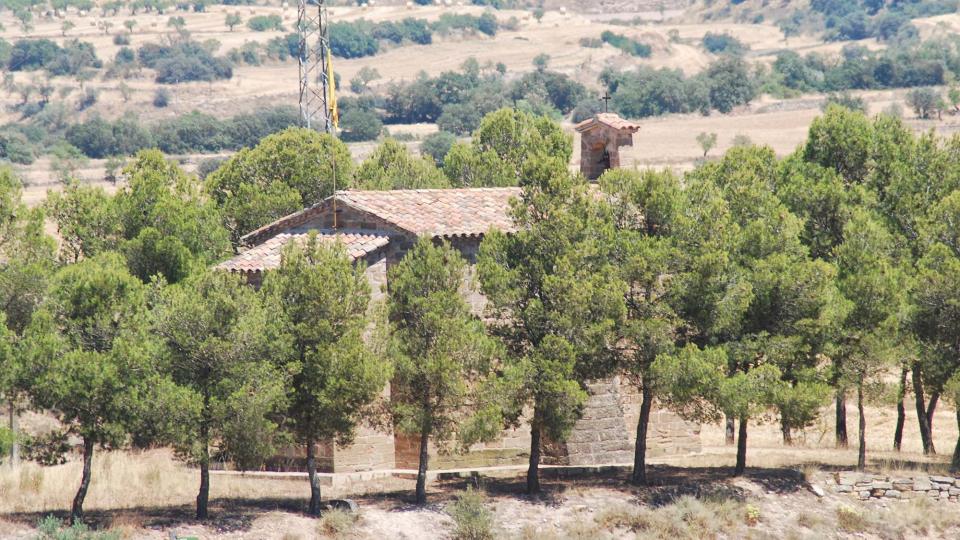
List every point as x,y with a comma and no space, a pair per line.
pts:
666,483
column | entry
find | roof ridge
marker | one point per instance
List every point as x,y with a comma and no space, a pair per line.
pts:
426,190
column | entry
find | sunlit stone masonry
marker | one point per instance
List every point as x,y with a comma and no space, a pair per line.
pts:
867,486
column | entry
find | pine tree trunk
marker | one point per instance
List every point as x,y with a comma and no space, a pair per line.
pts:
533,470
640,449
841,430
932,408
203,497
955,463
314,508
76,513
921,411
741,448
422,469
901,410
15,431
787,432
862,449
729,432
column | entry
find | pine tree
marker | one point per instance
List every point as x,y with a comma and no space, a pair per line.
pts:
644,210
750,287
443,357
935,316
284,173
872,283
168,225
504,142
555,298
88,354
323,301
220,347
27,261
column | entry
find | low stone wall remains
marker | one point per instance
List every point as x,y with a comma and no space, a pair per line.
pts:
867,486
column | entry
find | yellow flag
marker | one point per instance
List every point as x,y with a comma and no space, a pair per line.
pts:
332,93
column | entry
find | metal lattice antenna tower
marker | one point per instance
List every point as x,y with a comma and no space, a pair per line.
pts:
314,50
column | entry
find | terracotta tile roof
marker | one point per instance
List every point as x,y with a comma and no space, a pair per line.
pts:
607,119
438,212
266,256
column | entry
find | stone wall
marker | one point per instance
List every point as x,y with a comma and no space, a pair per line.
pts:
607,431
667,433
513,448
881,486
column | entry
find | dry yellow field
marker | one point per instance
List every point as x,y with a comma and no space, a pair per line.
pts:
149,494
558,34
668,141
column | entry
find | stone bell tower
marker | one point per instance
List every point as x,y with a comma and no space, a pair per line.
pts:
600,140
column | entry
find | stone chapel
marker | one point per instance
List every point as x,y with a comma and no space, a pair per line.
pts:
377,228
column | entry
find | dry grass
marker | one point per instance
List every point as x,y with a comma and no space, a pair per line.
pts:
534,532
921,517
851,520
338,524
583,530
686,518
125,480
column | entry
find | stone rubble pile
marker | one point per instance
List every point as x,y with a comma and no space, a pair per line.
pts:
879,486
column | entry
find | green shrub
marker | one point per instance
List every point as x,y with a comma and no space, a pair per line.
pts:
360,125
31,54
471,518
723,43
845,99
484,24
52,528
5,49
353,39
591,43
182,62
587,108
161,98
264,23
208,165
88,99
15,147
74,57
459,118
437,146
627,45
6,442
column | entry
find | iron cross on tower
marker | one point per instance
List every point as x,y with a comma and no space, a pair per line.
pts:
606,101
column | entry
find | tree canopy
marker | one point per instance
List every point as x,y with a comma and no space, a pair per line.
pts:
284,173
